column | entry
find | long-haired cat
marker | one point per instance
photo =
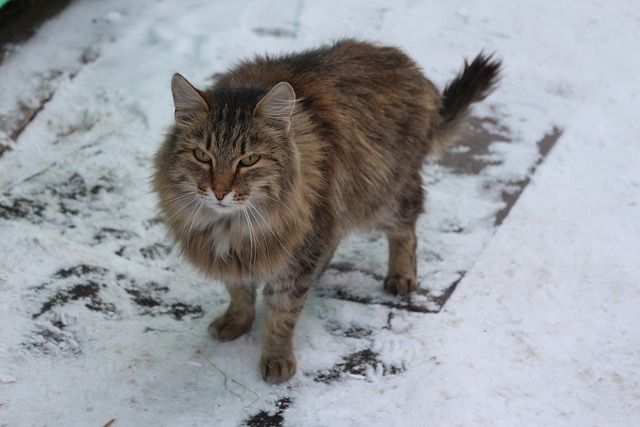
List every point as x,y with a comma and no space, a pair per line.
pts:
263,173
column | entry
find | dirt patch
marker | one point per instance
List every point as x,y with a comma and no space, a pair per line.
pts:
471,154
429,303
74,188
40,197
349,331
113,233
150,298
178,310
442,298
86,283
513,192
23,208
357,364
88,291
53,339
153,222
347,267
19,20
71,195
141,299
79,271
155,251
275,419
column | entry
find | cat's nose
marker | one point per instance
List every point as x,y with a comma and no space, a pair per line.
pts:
220,191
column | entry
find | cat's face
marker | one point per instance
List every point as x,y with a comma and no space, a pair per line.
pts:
229,156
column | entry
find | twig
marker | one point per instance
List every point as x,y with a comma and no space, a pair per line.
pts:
257,396
226,379
30,116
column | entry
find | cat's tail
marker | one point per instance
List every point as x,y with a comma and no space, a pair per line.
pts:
474,83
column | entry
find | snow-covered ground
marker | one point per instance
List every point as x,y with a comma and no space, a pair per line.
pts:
100,319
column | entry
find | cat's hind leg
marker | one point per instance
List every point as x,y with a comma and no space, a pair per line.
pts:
238,317
401,275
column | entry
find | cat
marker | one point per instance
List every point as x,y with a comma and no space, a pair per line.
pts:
263,173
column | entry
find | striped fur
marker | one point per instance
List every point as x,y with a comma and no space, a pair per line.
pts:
342,153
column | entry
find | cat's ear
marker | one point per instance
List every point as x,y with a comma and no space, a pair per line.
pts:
277,105
188,100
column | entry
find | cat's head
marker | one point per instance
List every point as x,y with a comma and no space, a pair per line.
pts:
230,149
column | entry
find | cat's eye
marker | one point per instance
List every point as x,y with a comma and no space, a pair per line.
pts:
200,155
250,160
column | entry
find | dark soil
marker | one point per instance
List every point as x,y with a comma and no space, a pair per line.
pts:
87,291
19,20
265,419
357,363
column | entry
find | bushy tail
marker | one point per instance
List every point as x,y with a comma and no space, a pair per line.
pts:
474,83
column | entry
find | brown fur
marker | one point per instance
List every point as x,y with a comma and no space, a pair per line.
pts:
342,153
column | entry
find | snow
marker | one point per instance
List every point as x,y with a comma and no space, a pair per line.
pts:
102,320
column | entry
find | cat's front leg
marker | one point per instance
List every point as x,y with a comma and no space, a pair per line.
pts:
238,317
284,301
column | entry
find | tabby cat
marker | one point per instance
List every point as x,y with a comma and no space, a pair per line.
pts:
263,173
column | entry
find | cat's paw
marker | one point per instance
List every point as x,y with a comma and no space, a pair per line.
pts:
400,285
228,328
277,368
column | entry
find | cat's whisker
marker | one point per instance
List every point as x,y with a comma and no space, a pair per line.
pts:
266,196
264,237
175,214
252,206
180,210
244,211
185,225
197,211
181,187
181,196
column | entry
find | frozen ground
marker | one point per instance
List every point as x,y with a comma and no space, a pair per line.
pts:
101,320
